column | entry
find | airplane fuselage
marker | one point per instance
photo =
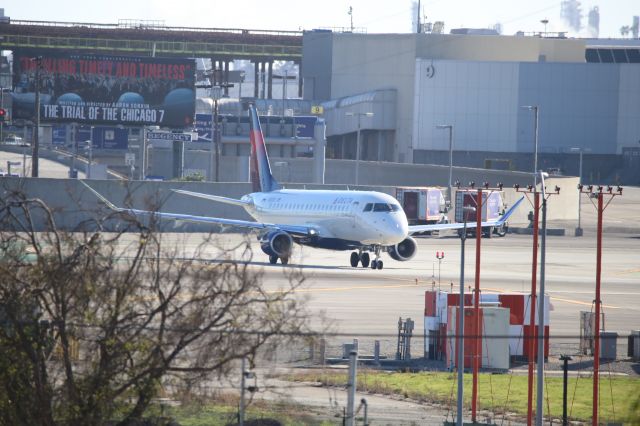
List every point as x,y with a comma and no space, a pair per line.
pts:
343,219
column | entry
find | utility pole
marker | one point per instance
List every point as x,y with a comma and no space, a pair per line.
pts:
599,192
480,202
536,340
351,387
36,133
460,319
242,388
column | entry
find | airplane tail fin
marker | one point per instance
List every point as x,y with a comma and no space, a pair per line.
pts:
261,176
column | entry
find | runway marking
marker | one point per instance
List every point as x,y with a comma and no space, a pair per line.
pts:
628,271
368,287
559,299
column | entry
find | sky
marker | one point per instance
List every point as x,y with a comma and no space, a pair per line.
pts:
375,16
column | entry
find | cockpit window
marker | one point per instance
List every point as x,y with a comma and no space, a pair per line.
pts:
368,207
384,207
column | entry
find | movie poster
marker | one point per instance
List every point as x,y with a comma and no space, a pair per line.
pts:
115,90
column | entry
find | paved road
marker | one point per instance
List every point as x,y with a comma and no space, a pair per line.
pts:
369,302
47,168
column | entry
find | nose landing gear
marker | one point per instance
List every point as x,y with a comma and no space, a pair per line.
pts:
377,263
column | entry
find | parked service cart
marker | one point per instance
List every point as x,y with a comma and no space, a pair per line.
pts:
423,205
492,209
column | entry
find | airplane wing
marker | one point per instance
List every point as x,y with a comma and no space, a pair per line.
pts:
218,198
470,225
303,231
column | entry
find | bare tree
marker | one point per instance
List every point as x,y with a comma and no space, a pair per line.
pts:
94,324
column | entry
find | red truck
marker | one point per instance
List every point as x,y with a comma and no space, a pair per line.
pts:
492,209
422,205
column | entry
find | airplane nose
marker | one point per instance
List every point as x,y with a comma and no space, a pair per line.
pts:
398,231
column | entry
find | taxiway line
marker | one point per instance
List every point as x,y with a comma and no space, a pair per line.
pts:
559,299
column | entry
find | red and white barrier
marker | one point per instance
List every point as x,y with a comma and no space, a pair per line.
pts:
437,304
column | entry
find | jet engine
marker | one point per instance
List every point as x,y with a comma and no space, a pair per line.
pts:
404,250
276,243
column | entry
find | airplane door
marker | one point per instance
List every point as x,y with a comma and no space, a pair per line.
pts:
355,207
410,204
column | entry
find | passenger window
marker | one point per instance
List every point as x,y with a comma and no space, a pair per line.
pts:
368,207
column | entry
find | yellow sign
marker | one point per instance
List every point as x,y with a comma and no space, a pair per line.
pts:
317,109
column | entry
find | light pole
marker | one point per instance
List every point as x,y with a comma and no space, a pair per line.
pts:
90,148
2,92
541,336
578,231
216,93
544,22
460,323
74,153
450,127
358,114
439,256
36,140
284,77
535,109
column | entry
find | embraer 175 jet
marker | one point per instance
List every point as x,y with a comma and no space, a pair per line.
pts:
362,221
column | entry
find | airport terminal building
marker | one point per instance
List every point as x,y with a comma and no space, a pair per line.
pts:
587,93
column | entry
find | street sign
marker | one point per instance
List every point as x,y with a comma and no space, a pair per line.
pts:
317,109
130,159
166,136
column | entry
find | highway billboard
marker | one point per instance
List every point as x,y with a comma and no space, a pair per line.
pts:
97,89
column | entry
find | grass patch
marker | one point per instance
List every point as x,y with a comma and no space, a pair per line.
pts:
225,412
499,392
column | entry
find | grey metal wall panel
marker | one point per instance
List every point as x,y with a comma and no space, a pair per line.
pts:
317,48
478,98
578,106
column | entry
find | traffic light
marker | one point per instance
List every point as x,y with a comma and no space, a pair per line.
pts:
3,114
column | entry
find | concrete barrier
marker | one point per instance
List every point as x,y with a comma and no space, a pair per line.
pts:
74,205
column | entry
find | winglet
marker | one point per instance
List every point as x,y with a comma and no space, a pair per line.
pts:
509,212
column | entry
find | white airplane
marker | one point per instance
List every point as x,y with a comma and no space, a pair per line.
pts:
362,221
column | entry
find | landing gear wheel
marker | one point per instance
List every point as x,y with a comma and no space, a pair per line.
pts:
502,231
354,259
379,264
364,259
284,260
273,259
489,232
374,264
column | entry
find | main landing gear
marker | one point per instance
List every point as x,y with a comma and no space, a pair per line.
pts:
364,259
273,259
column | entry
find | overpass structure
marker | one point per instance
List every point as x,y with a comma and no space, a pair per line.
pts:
153,38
